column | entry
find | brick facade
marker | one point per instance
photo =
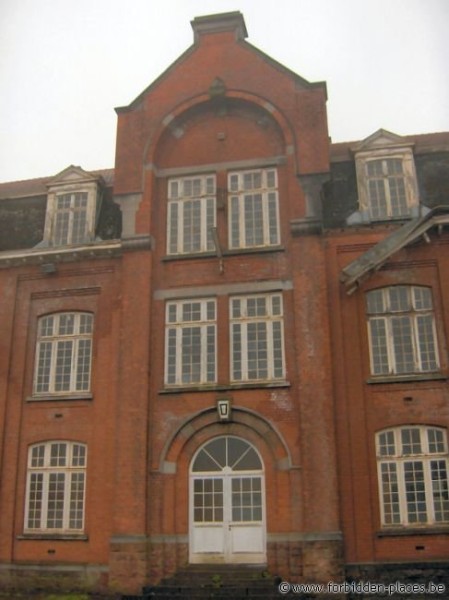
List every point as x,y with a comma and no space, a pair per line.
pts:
222,107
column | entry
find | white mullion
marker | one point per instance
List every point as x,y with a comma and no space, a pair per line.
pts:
178,355
66,500
71,212
203,351
417,360
74,363
265,216
270,347
390,344
402,493
53,358
45,498
244,343
242,220
428,489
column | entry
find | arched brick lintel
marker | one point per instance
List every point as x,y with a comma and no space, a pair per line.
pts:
205,425
178,113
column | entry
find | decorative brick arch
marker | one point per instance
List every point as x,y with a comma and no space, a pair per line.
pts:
203,426
205,102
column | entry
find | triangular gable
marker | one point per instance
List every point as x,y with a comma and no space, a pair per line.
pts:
232,21
381,139
72,174
376,256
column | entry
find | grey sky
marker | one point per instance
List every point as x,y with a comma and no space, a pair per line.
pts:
65,65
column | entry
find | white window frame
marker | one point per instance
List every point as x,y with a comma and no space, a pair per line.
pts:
387,343
70,222
245,187
408,177
408,489
177,356
191,214
88,190
63,354
56,487
243,366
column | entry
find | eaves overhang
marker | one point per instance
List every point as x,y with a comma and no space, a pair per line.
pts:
372,260
63,254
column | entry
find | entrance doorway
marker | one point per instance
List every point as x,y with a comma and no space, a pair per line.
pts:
227,503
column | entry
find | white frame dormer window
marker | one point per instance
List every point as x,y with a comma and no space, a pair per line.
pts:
72,207
386,179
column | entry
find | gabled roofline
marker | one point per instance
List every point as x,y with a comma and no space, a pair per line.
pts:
212,24
372,260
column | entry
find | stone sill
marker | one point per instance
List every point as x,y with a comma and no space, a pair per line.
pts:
226,253
415,531
64,537
225,388
59,397
407,378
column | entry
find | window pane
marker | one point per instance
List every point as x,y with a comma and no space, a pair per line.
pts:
403,344
43,367
436,440
415,492
58,455
253,216
63,370
411,441
35,500
191,354
426,342
257,354
440,490
55,511
237,373
422,298
191,215
386,444
83,365
390,493
76,510
375,302
399,298
379,350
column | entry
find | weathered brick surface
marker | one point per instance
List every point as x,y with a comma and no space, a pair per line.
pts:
314,432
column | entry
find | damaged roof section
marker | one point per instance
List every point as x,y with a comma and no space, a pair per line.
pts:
375,257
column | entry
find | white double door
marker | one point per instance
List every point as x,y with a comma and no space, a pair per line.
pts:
227,514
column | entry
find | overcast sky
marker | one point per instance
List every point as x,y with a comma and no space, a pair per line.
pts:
65,65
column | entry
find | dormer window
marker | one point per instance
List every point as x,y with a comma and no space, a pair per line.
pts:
386,179
72,207
70,223
386,188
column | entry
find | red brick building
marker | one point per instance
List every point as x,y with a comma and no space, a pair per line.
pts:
231,348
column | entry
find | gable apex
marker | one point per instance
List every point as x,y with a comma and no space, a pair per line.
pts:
72,174
381,139
217,23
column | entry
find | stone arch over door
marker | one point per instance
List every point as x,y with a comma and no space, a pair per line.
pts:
170,480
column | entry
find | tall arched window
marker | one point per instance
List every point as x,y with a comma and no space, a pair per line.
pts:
401,329
63,353
56,483
413,475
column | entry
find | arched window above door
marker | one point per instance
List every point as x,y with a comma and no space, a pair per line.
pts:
231,452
